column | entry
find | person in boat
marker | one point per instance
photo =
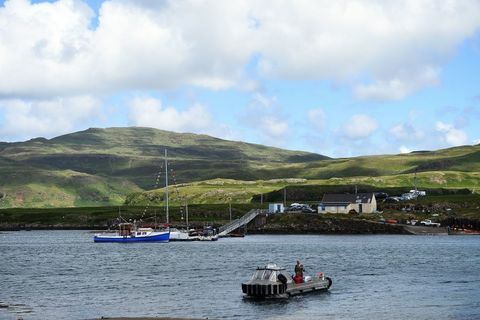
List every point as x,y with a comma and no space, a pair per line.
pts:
298,278
299,269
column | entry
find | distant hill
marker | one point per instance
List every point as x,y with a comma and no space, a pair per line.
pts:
103,166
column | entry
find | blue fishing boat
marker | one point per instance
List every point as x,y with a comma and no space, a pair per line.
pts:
127,232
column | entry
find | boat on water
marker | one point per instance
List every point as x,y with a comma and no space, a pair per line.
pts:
208,233
128,232
273,281
182,235
208,238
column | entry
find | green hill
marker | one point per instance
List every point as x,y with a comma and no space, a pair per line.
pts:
104,166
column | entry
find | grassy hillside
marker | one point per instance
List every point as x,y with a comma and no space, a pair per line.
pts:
236,191
103,166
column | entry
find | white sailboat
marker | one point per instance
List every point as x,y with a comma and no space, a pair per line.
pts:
175,234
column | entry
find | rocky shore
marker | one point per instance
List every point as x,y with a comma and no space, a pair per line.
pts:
278,224
315,224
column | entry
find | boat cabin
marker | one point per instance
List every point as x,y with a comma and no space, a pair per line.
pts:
143,231
125,229
271,272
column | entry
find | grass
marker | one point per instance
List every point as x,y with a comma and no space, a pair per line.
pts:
92,217
235,191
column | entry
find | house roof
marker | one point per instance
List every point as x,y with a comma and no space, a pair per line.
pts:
345,199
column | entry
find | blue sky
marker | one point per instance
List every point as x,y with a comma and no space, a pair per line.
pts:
338,78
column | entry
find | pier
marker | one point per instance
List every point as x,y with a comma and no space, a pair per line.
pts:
237,223
425,230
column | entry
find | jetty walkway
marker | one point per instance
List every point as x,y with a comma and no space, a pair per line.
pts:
240,222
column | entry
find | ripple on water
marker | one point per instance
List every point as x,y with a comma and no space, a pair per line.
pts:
63,274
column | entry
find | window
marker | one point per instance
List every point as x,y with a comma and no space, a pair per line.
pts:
258,275
267,274
273,276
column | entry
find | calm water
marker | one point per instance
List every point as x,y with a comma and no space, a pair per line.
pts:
63,274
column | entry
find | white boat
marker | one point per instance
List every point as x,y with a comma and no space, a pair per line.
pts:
274,281
208,238
181,235
208,234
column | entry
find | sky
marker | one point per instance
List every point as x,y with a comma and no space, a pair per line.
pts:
338,78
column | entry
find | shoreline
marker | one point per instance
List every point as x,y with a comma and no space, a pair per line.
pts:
262,224
386,229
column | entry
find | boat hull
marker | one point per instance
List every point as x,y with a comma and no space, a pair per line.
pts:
153,237
180,235
279,290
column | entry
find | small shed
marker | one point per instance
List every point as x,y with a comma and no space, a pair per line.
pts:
276,208
344,203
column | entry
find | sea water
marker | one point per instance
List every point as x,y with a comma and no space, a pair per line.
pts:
63,274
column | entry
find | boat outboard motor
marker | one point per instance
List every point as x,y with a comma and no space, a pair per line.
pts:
282,278
329,282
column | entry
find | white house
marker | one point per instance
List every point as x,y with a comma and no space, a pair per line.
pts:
345,203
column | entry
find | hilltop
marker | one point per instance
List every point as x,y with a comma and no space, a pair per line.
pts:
104,166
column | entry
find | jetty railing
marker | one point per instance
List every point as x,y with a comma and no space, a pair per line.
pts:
237,223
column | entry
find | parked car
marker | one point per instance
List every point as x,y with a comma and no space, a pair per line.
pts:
381,195
300,207
429,223
308,210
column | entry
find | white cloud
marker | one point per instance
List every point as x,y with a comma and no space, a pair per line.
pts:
317,118
359,126
451,135
46,118
158,45
266,118
397,88
149,112
477,141
273,127
406,132
404,149
263,101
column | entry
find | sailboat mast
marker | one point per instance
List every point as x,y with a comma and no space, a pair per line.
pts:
166,183
186,211
155,228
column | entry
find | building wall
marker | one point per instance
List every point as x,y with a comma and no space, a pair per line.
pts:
366,207
335,209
